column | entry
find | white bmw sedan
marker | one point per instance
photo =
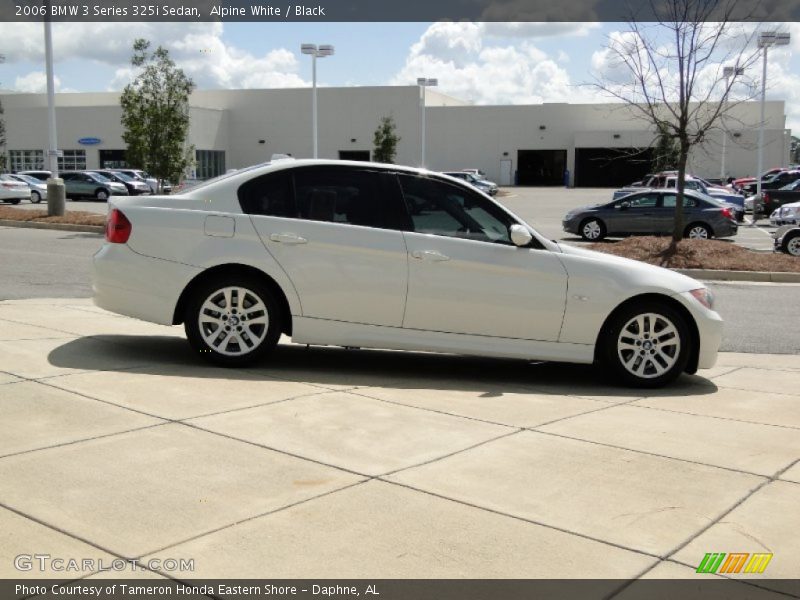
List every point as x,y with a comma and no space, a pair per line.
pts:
381,256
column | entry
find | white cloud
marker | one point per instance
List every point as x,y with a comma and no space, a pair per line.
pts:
34,83
488,63
198,48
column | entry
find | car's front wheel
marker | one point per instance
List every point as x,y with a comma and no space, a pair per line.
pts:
101,195
592,230
791,244
646,345
232,321
36,197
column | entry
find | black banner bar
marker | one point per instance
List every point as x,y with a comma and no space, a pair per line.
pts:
382,10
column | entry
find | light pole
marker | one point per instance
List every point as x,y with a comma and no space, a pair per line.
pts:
56,198
424,83
315,52
765,40
727,73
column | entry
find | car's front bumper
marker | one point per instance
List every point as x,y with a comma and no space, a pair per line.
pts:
709,328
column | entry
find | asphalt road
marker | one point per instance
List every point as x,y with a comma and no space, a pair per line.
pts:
35,263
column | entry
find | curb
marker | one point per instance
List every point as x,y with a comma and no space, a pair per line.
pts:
55,226
762,276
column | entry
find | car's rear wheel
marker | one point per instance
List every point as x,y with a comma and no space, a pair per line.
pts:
646,345
101,195
698,231
13,201
232,321
36,197
791,244
592,230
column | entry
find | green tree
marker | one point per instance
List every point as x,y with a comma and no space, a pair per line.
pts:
666,152
385,141
155,114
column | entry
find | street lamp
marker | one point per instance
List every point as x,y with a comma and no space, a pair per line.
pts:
727,73
765,40
424,83
315,52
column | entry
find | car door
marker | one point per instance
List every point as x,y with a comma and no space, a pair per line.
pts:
633,214
664,213
464,274
336,233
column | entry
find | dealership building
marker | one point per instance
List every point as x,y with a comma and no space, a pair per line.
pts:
598,144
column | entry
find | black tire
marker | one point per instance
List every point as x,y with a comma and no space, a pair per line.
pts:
590,227
36,197
671,358
791,243
693,230
101,195
230,352
14,201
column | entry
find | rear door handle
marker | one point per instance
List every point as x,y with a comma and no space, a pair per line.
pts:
288,238
429,255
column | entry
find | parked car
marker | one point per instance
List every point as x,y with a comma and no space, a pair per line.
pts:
773,199
669,180
773,182
135,187
487,187
140,175
651,212
787,239
85,184
37,186
477,172
42,175
384,256
12,190
788,214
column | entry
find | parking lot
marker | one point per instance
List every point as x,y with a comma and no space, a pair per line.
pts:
116,441
542,207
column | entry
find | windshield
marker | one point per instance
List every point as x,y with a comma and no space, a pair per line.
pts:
28,179
98,177
123,177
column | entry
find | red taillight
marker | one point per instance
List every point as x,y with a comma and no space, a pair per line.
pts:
118,228
765,196
726,212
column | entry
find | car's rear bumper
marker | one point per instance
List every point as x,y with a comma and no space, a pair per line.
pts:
138,286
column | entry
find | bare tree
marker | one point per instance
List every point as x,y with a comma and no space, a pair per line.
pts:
671,74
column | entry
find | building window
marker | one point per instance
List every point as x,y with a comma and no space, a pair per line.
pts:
210,163
73,160
26,160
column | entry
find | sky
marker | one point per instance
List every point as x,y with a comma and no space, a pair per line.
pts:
484,63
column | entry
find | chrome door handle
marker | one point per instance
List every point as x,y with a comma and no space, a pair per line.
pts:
429,255
287,238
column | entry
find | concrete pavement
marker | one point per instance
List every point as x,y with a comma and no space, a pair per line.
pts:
116,441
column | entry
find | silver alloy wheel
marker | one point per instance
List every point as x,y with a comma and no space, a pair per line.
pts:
793,246
102,195
592,230
233,321
36,197
698,232
649,345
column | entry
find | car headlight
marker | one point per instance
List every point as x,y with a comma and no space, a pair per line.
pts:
704,297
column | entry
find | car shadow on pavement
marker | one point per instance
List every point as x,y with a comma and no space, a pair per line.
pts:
336,366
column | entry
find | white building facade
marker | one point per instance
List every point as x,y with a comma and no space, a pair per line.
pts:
590,145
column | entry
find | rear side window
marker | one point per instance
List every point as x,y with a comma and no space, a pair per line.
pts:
269,195
670,199
330,194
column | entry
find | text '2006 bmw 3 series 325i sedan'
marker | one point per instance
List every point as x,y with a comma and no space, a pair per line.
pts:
381,256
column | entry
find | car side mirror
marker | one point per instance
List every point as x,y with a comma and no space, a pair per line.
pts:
625,206
520,236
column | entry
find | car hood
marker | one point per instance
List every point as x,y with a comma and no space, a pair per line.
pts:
628,272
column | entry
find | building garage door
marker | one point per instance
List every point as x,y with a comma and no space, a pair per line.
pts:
541,167
611,167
